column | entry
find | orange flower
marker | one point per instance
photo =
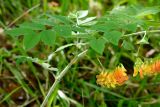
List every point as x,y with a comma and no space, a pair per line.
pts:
147,68
111,79
155,67
120,75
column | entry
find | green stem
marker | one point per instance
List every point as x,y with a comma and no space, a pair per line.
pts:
60,76
142,32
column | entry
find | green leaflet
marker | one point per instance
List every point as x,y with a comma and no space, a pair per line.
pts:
48,37
113,37
63,30
18,31
30,40
97,45
32,25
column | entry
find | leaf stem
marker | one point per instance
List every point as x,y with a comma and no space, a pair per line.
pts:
142,32
60,76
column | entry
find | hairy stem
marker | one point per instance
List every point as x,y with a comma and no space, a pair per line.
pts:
60,76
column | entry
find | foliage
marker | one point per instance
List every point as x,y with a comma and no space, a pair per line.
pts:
44,48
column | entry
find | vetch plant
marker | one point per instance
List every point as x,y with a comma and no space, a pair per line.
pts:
122,30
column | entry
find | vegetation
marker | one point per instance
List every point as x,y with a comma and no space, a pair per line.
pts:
82,53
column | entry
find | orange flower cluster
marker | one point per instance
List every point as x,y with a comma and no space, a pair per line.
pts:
147,68
111,79
119,76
